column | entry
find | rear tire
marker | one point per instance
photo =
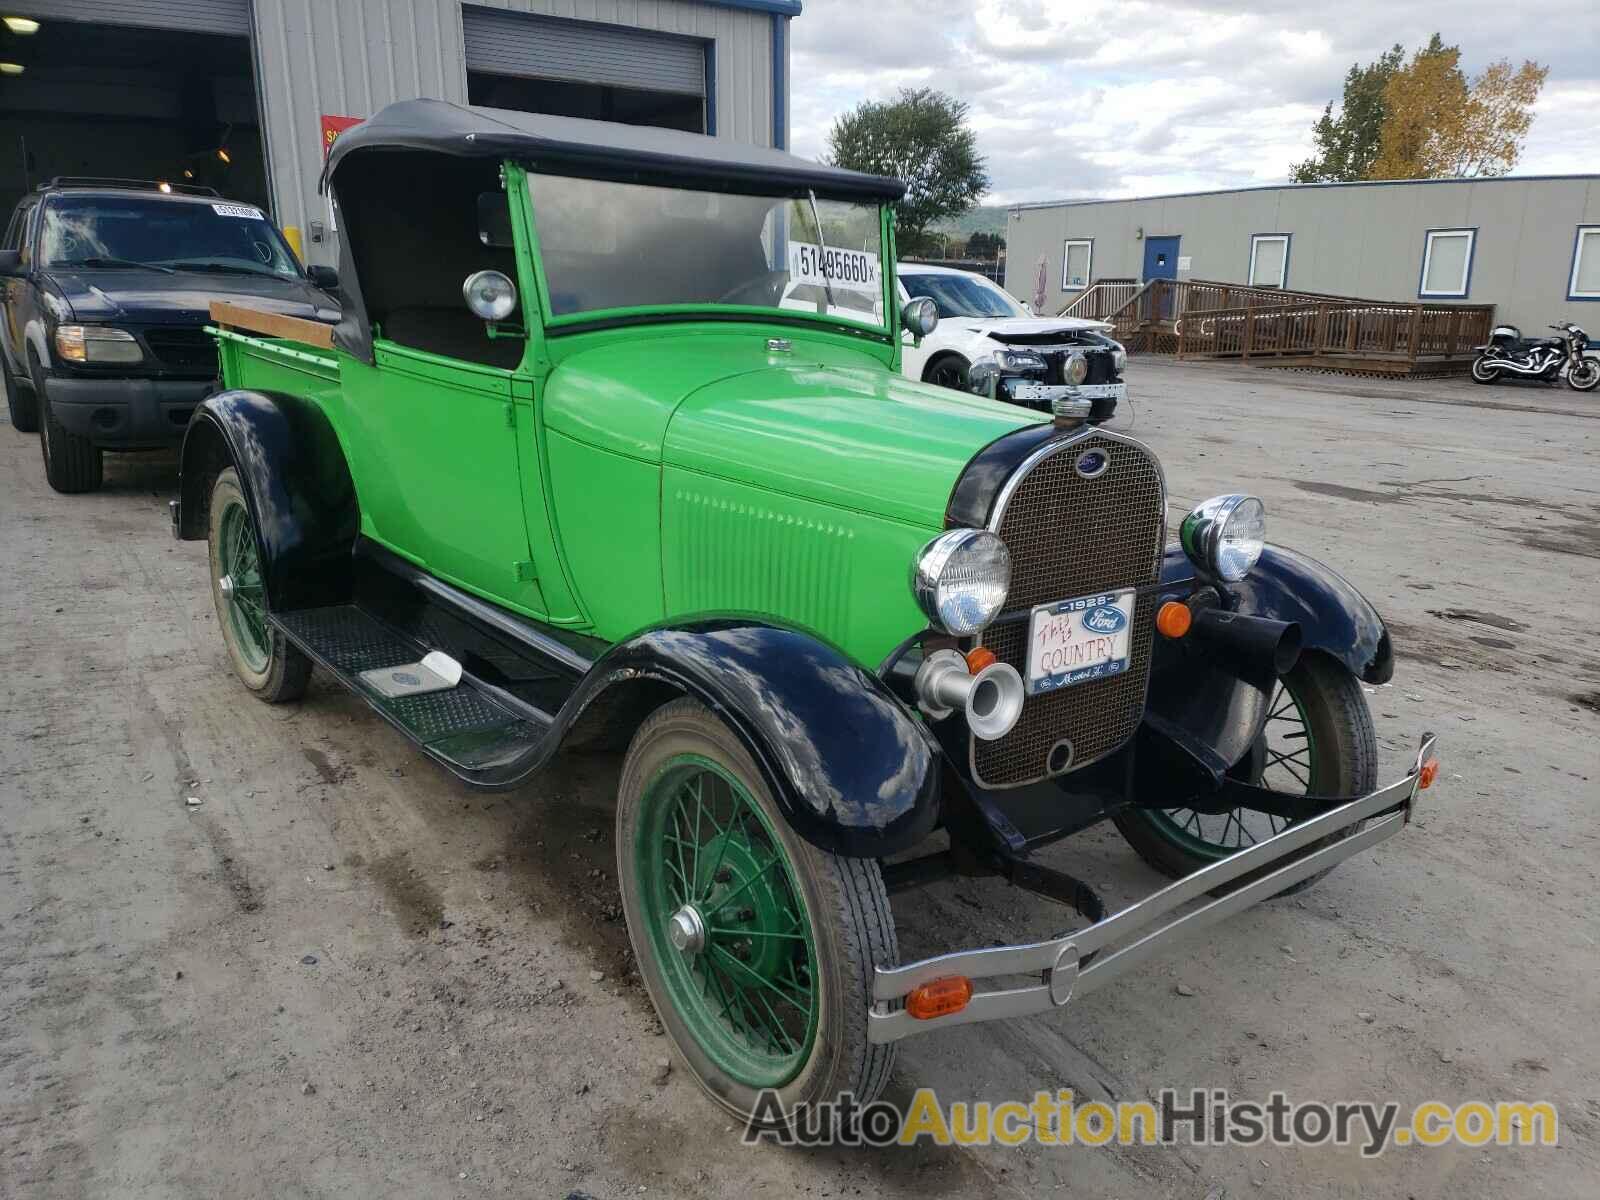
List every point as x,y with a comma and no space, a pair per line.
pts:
265,661
21,403
72,463
775,996
1340,758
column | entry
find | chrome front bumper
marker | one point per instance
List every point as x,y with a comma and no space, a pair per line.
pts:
1059,963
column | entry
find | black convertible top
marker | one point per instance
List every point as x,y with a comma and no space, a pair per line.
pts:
600,149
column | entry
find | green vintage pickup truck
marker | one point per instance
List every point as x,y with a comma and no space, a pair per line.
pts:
610,447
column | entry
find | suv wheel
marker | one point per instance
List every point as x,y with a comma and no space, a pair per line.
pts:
20,401
72,463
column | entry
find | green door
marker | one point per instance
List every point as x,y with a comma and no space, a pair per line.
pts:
443,476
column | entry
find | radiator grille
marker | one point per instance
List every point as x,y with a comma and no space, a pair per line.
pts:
1069,537
183,349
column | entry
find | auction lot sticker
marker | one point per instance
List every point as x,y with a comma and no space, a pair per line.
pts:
850,270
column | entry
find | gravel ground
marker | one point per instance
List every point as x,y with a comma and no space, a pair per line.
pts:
333,972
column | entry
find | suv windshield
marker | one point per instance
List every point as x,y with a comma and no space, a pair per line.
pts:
608,246
962,295
136,231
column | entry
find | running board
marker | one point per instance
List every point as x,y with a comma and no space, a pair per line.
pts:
476,731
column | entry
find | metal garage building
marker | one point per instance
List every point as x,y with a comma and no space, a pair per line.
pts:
244,95
1530,245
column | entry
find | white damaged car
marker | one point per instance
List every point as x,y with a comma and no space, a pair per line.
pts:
988,343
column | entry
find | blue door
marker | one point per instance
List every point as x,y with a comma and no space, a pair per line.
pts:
1161,262
1160,258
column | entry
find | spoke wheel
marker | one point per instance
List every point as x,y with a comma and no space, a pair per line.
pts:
1317,740
262,657
757,947
744,980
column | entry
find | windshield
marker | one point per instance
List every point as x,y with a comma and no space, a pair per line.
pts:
962,295
608,246
133,231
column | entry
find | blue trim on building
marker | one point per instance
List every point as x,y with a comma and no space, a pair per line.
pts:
1572,271
1472,254
711,87
786,8
1296,187
1288,243
780,79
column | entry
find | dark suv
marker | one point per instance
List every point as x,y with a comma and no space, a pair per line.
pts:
107,286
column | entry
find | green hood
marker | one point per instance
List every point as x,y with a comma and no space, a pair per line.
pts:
854,438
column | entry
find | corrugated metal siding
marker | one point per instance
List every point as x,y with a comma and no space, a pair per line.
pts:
197,16
506,43
352,57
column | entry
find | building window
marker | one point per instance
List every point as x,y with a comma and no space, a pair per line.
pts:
1269,260
1585,281
1075,263
1447,263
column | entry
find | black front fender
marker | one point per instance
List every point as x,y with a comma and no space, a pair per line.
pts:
851,768
295,480
1202,718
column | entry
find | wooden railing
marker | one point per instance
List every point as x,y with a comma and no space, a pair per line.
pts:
1368,329
1100,299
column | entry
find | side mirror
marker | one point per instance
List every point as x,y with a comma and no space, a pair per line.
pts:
920,315
494,221
11,264
325,278
490,295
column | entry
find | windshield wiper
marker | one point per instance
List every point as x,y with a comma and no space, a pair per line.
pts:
115,262
226,268
823,243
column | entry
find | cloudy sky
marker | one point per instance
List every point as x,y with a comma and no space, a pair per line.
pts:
1126,97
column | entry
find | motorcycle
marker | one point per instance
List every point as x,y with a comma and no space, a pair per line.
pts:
1509,353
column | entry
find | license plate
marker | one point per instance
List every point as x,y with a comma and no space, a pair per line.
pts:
1074,641
1022,390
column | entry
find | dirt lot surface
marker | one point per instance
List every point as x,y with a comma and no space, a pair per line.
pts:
339,974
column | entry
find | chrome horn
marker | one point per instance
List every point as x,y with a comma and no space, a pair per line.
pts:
991,699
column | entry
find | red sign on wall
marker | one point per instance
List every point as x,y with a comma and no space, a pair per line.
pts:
332,127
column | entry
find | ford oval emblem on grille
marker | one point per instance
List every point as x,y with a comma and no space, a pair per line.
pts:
1093,463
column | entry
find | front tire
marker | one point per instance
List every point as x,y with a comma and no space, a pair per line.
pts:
21,403
948,370
263,658
1482,372
1584,377
1319,740
72,463
774,991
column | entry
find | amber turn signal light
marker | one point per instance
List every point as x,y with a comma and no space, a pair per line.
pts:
1174,618
979,659
1430,772
939,998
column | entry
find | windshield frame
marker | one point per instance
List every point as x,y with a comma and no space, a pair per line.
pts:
688,313
53,201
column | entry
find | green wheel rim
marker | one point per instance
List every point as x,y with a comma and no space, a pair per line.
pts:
747,992
1291,767
245,605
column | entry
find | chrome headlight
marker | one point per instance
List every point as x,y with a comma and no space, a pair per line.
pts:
1076,369
961,578
1225,535
96,344
1119,357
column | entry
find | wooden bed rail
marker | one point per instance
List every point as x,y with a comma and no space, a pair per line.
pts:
255,320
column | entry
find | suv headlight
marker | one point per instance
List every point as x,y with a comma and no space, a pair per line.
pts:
1018,360
1225,535
961,578
96,344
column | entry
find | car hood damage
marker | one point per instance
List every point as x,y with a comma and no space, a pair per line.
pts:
182,298
1038,331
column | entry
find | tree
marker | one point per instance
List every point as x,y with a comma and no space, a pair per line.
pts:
1438,126
1348,143
984,245
921,137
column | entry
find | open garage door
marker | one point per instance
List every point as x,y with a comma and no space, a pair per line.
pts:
586,69
166,92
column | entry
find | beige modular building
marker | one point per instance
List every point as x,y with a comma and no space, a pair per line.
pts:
1528,245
